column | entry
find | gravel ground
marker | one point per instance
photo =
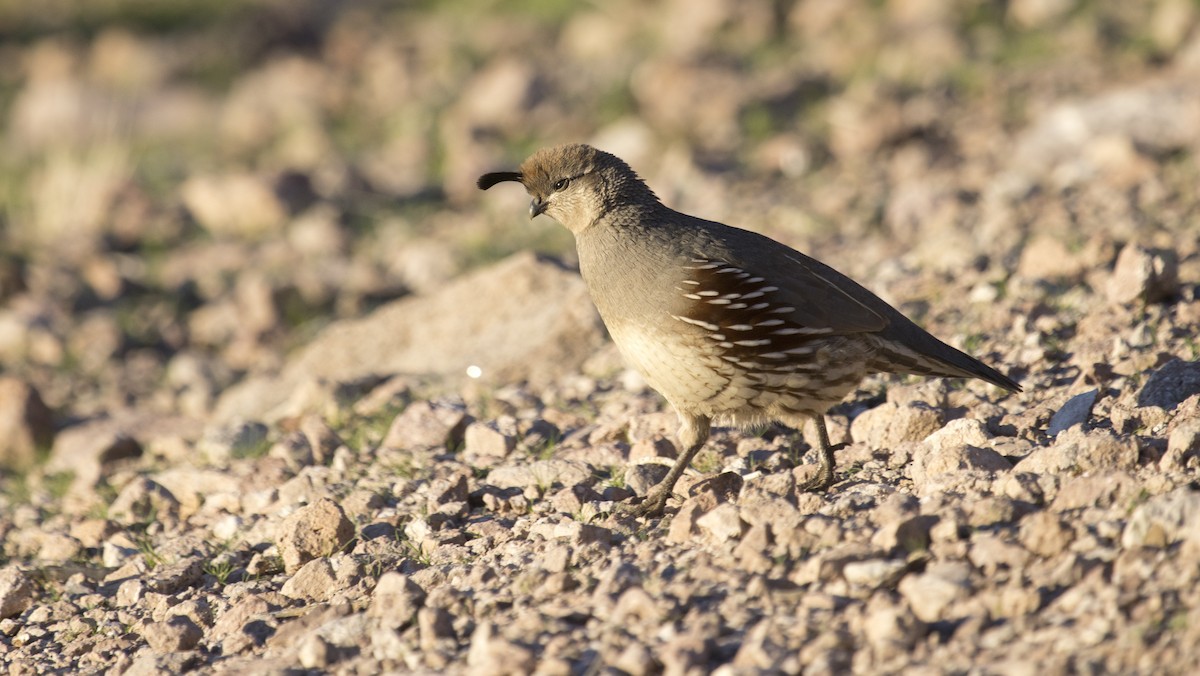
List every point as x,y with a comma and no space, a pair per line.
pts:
280,392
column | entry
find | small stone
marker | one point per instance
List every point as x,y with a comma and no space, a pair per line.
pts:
1164,520
890,628
16,592
542,474
396,599
434,625
143,499
26,424
636,660
491,654
234,620
429,424
1044,534
571,500
130,593
293,448
722,523
238,204
239,439
889,424
315,581
496,439
874,573
936,590
656,446
581,534
176,633
683,524
313,531
635,606
1148,275
960,445
1171,384
1077,450
175,576
644,476
315,652
1183,447
1076,411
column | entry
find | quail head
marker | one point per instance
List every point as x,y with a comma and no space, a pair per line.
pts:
728,325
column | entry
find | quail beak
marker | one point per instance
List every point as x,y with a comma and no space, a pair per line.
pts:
536,206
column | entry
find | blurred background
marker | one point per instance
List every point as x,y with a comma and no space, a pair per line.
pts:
190,190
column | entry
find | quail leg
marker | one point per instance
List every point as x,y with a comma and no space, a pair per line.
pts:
824,477
693,432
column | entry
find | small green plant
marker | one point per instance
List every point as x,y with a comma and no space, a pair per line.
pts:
416,553
707,462
1139,499
149,554
220,568
545,449
59,483
615,477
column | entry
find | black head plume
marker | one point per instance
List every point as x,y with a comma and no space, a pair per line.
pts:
488,180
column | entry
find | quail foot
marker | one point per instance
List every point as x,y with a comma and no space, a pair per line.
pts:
726,324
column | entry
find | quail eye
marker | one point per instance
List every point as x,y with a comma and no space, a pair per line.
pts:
561,184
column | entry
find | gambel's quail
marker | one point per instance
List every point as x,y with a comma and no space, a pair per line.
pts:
726,324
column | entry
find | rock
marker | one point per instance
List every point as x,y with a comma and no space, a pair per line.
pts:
683,524
315,581
1101,489
960,445
396,600
636,660
657,446
1183,447
492,654
293,448
429,424
889,424
1146,275
643,476
581,533
932,593
1044,534
1076,411
520,319
237,439
141,500
890,628
874,573
910,534
1144,114
316,653
175,634
235,619
89,450
26,425
1165,519
317,530
1047,257
1076,450
241,205
16,592
495,439
722,523
1171,384
541,473
175,576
